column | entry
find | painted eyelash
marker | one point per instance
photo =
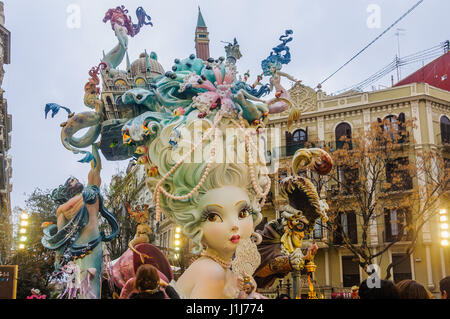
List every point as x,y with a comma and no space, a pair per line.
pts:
205,214
248,208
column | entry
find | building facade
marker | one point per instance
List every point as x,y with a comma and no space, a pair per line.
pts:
5,145
324,121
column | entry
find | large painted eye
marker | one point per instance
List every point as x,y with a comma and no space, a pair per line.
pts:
244,213
214,218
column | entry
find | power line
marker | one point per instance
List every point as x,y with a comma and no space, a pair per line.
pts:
356,55
412,58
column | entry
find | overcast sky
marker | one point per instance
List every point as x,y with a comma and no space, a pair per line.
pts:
50,61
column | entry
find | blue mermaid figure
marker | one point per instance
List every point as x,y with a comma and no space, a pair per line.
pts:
76,238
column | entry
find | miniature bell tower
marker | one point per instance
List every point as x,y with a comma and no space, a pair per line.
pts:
201,38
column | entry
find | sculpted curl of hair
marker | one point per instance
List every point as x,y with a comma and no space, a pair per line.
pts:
186,213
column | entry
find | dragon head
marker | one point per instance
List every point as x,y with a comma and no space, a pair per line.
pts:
301,193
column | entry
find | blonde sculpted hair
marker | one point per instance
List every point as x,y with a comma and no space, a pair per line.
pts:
186,176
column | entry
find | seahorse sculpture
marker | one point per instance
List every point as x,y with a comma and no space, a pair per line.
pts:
91,120
123,26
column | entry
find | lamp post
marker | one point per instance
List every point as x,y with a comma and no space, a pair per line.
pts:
177,244
23,225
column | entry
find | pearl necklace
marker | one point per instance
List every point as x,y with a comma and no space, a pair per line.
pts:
220,261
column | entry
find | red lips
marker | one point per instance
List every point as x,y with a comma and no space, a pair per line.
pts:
235,239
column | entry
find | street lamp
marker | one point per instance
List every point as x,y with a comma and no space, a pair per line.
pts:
177,244
443,219
23,229
177,236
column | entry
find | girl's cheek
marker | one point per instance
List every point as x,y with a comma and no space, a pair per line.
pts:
247,227
214,229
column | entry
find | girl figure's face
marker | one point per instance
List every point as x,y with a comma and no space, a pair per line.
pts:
226,213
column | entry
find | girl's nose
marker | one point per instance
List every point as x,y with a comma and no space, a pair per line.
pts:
235,228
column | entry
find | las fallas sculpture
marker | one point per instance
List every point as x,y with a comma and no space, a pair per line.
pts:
211,185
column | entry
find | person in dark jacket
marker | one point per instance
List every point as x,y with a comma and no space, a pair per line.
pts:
385,290
148,285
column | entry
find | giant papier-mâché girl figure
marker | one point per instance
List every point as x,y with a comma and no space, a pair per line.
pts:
209,181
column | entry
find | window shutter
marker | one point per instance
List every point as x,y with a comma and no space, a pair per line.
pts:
352,227
445,130
288,138
387,225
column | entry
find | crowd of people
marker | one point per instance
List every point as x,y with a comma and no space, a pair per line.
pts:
148,285
405,289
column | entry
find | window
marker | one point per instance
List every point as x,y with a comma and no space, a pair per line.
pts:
299,136
317,232
343,134
350,272
348,179
394,126
169,238
390,125
295,141
165,240
346,224
395,224
109,102
397,175
445,130
402,268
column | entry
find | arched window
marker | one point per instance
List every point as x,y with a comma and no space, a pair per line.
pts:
109,102
343,134
395,127
295,140
390,125
445,130
299,136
